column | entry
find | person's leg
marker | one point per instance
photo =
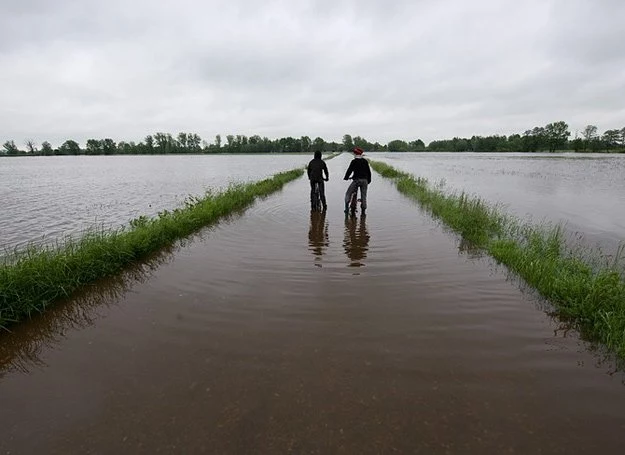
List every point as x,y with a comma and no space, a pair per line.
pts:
363,194
322,194
312,192
350,189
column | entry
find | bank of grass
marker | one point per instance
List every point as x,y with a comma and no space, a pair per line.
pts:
34,278
586,289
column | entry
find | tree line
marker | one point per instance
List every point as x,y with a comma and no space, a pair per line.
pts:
165,143
551,137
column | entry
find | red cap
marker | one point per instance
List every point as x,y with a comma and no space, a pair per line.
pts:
358,151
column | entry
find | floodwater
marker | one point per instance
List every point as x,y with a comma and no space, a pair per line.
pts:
46,198
278,331
584,192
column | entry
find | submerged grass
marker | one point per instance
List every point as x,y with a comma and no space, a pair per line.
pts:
34,278
586,290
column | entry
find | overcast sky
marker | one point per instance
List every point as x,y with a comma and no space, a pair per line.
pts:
407,69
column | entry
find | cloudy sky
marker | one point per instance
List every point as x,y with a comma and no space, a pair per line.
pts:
407,69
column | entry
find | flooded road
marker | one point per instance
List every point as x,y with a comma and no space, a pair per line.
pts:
281,332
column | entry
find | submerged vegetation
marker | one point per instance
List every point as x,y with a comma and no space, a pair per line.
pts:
34,278
585,289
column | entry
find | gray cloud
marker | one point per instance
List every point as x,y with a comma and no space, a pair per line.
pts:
430,69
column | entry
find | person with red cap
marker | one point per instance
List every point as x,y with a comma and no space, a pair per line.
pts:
361,179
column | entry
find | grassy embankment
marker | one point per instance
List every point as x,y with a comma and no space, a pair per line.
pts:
586,289
33,279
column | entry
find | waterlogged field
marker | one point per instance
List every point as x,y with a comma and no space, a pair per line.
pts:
586,192
47,198
284,331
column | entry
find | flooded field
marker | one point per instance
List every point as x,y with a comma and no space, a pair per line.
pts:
46,198
278,331
583,191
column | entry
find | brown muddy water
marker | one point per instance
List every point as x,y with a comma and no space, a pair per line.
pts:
281,332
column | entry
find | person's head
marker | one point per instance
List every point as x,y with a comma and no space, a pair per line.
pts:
317,154
358,151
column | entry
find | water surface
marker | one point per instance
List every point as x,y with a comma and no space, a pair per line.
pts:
47,198
281,332
585,192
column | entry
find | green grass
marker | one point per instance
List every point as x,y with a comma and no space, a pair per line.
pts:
586,289
34,278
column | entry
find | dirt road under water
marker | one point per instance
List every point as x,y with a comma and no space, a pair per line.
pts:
281,332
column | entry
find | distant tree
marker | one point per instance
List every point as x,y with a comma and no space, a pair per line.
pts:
253,145
589,133
69,147
577,144
181,141
622,131
515,143
149,144
124,148
362,143
348,144
109,147
556,135
164,142
31,147
93,147
488,143
194,142
218,141
596,144
305,144
397,145
611,138
288,145
318,144
46,148
10,148
534,140
230,141
416,146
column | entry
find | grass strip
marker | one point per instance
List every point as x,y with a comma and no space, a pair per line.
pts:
34,278
586,289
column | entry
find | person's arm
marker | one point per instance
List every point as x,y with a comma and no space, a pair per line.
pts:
368,173
349,171
308,170
325,170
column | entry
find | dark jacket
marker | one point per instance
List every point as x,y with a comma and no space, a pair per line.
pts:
316,168
360,168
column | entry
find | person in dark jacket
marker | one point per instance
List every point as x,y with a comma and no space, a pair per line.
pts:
361,179
316,170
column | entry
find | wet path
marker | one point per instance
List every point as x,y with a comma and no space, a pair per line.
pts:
276,332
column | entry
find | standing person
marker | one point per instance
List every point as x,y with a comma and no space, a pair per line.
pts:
316,169
361,179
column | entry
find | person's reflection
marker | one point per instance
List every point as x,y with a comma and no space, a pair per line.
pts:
356,241
318,239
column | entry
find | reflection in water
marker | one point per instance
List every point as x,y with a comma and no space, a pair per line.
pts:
21,348
356,241
469,248
318,239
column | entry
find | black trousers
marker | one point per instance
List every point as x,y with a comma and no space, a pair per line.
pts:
322,192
